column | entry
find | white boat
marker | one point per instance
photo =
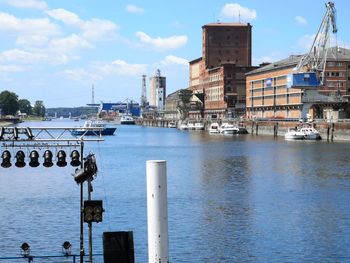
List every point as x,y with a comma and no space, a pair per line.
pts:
199,126
190,126
303,132
294,134
214,128
94,128
227,128
310,133
183,126
127,119
172,124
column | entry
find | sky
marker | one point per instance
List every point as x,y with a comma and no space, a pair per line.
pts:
56,51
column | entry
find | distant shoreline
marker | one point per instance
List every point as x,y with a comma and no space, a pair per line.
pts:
4,123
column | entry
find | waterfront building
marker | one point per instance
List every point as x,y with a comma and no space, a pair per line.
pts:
157,91
171,106
268,95
219,75
113,109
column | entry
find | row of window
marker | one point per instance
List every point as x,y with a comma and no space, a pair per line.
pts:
334,74
276,96
213,93
334,64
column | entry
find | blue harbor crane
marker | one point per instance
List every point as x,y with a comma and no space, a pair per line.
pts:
309,73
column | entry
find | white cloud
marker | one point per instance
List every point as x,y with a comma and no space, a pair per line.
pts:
23,57
236,11
14,25
80,74
134,9
98,29
10,68
94,29
68,44
65,16
306,41
98,70
169,60
300,20
32,40
340,43
120,67
172,42
36,4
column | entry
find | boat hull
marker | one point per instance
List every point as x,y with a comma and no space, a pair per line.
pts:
105,132
127,122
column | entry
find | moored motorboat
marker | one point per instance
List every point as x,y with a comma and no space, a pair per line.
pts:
304,131
127,119
227,128
294,134
214,128
310,133
172,124
183,126
199,126
190,125
94,128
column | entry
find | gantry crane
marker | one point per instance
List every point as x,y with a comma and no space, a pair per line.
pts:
309,73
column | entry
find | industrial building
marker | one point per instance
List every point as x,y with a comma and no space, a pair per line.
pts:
219,75
114,109
268,94
157,91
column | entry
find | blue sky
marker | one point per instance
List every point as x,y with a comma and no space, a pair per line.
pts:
56,50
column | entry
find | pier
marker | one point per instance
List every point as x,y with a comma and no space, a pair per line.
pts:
335,131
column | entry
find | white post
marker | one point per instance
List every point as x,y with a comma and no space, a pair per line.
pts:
157,211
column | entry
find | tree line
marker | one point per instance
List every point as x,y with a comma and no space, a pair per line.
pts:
10,104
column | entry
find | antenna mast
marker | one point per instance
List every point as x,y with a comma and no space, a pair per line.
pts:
92,95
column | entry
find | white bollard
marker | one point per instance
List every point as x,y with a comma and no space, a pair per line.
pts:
157,211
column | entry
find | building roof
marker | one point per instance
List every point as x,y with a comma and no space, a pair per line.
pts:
195,60
225,24
333,54
291,61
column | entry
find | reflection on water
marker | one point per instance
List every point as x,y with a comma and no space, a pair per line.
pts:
231,198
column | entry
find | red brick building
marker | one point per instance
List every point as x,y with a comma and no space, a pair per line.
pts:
220,73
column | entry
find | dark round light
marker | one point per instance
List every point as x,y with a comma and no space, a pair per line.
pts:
25,246
61,158
47,158
75,155
20,159
34,156
66,245
6,159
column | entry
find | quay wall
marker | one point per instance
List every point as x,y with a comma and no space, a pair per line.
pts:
339,131
328,131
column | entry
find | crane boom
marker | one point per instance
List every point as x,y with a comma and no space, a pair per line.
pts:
309,72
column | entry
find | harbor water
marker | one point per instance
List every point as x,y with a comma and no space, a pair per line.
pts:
238,198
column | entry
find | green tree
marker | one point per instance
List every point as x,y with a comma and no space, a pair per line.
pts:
24,106
39,108
184,102
8,103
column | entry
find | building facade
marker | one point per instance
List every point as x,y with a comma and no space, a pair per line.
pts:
220,73
268,95
157,91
